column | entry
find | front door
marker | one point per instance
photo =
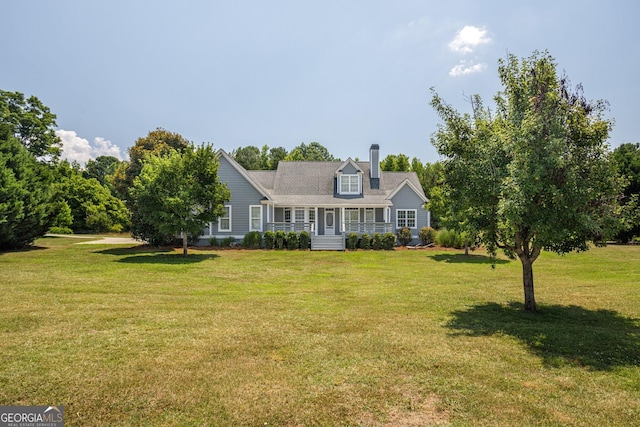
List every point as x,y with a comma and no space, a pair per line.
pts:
329,222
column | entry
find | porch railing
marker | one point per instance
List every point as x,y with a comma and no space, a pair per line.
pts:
310,227
368,227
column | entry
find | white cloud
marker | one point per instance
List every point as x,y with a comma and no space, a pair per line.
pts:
80,150
468,39
467,67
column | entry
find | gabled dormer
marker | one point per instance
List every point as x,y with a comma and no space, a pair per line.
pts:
349,179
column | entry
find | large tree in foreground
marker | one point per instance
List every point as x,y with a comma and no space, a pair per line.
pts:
535,173
181,192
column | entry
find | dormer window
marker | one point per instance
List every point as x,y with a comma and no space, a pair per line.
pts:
350,184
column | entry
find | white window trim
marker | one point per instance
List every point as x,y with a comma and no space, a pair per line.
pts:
359,180
406,218
220,229
251,218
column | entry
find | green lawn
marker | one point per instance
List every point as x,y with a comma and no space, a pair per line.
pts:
252,338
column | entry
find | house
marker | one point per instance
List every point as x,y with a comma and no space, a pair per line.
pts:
327,199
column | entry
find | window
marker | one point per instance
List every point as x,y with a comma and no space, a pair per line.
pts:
287,215
312,216
299,215
349,184
406,218
369,215
224,222
255,218
351,219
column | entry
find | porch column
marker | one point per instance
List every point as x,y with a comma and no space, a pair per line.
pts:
342,219
315,221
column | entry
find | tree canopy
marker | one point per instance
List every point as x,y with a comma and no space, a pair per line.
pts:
314,152
181,192
157,143
534,173
32,123
26,211
627,160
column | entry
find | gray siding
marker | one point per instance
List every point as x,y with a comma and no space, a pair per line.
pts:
349,170
243,194
406,198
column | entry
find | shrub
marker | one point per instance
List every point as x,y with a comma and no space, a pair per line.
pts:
404,236
116,228
427,235
281,237
98,221
388,241
292,240
377,241
227,242
304,239
213,242
352,241
269,239
365,241
450,239
252,239
60,230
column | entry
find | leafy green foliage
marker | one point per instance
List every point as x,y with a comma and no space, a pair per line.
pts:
32,123
25,194
269,239
449,239
304,239
627,161
352,241
427,235
534,172
404,236
158,143
365,241
91,205
314,152
252,239
376,242
388,241
292,240
281,237
181,193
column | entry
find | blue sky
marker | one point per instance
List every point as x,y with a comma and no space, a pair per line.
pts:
343,73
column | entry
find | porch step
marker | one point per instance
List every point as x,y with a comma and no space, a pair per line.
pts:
327,243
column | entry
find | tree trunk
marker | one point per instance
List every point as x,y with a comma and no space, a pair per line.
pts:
528,252
527,281
184,243
466,247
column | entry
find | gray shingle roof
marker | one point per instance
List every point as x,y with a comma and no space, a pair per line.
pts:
312,183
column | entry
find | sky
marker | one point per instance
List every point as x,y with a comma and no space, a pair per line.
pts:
346,74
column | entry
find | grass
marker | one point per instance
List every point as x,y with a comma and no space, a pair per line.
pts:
123,336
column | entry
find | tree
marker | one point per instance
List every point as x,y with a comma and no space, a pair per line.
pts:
32,123
101,168
314,152
25,194
276,155
627,160
181,192
248,157
535,174
92,206
159,142
396,163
